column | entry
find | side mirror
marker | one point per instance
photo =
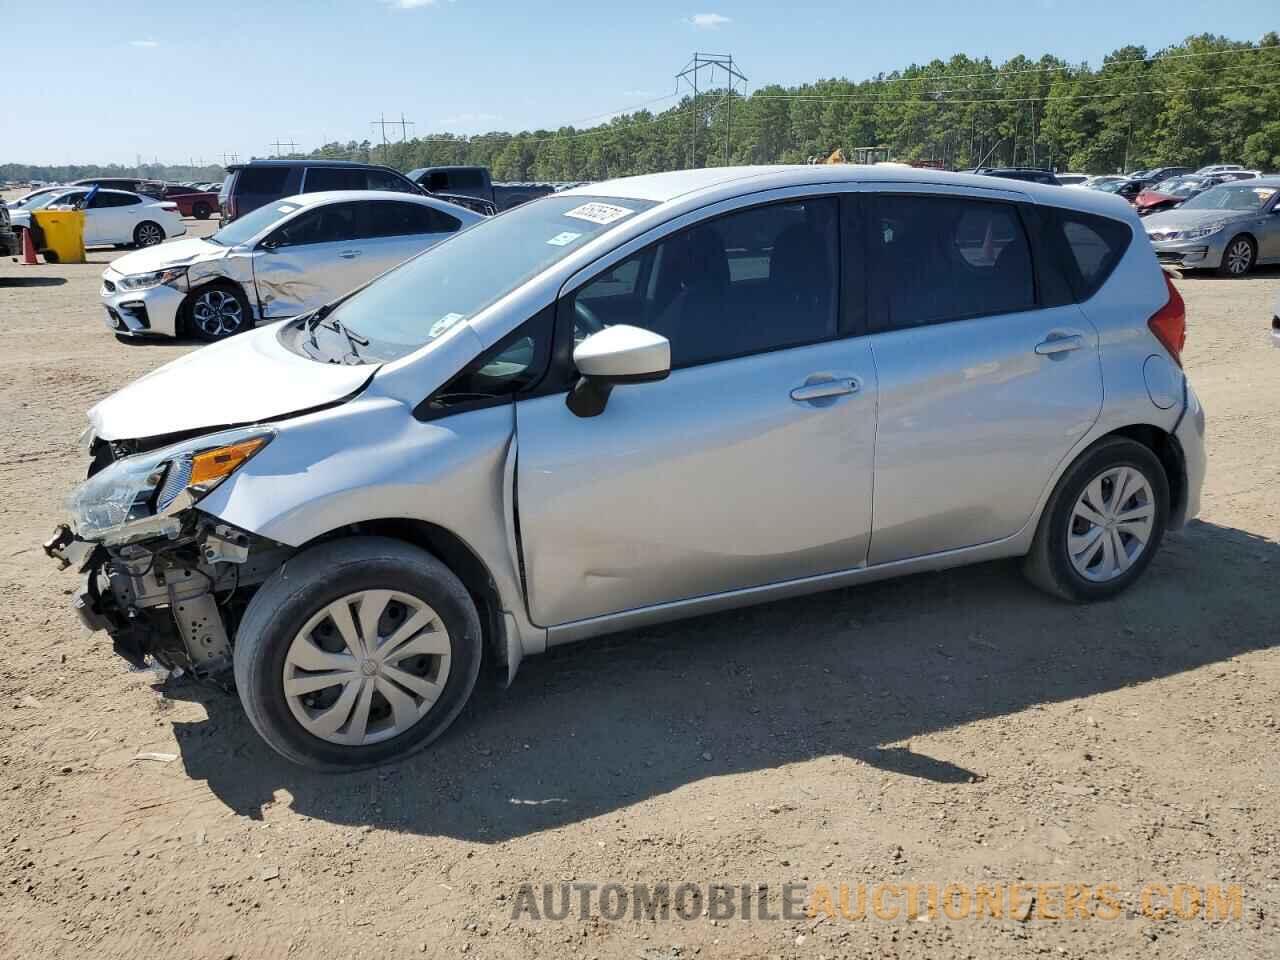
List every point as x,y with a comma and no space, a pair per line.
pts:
613,356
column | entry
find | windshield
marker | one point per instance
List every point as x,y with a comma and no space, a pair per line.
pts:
1181,186
1111,186
253,223
1231,196
455,280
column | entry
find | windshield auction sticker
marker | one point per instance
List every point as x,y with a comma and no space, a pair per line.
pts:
443,324
601,213
564,239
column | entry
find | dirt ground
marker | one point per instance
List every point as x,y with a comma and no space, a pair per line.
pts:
948,728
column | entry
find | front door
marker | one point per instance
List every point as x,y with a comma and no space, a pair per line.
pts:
982,390
751,464
310,260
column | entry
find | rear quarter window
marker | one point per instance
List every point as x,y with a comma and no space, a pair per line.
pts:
1092,246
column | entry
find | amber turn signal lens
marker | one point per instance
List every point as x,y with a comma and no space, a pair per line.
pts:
217,463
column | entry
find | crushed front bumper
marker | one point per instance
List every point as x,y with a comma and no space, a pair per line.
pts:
140,313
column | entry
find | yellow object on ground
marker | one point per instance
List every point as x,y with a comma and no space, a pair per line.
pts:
61,235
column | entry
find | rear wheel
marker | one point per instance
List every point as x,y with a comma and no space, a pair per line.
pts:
202,210
1103,523
148,234
356,652
1237,259
217,311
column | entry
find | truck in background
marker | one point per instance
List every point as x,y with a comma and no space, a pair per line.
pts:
458,182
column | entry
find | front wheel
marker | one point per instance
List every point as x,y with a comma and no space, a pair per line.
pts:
1103,523
218,311
1237,259
357,652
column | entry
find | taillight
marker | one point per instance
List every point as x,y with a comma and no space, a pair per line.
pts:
1169,323
229,209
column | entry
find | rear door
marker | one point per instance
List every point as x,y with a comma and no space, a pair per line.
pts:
749,465
984,386
310,260
396,230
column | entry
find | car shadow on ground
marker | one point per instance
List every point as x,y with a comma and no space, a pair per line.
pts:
592,729
32,281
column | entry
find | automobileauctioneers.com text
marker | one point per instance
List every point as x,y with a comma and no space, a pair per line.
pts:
889,902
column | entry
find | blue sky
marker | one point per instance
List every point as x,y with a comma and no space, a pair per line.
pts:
178,80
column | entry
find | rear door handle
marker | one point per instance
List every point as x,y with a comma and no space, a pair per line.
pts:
825,388
349,254
1059,345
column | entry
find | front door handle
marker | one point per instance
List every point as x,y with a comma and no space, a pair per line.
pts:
825,388
349,254
1054,345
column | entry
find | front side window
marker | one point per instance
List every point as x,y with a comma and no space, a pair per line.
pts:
932,259
743,283
331,223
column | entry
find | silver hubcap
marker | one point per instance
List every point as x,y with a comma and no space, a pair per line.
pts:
367,667
1111,524
1239,257
148,235
217,313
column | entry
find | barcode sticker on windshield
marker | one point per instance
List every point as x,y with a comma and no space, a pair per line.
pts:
601,213
443,324
563,239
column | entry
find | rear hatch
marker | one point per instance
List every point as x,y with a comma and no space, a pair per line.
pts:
225,201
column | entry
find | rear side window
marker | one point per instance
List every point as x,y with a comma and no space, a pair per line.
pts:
115,200
935,259
386,218
268,180
443,181
333,178
1094,246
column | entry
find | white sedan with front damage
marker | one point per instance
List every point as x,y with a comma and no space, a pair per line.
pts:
282,260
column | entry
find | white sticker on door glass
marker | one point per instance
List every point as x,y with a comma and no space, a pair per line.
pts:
601,213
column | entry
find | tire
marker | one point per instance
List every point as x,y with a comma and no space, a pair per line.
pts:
1238,257
1050,565
148,233
289,614
201,211
217,311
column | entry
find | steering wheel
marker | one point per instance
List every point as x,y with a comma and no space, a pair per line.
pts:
585,320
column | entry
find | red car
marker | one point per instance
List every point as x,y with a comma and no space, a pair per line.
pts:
191,202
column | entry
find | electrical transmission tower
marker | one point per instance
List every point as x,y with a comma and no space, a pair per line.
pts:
714,64
284,143
382,123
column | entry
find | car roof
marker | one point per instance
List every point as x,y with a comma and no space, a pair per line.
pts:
665,187
322,197
309,163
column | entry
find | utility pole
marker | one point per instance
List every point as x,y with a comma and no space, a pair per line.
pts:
712,62
382,123
283,143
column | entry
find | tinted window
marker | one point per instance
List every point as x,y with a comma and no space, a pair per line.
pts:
386,180
1096,245
333,178
114,200
744,283
933,259
386,218
442,181
327,224
268,180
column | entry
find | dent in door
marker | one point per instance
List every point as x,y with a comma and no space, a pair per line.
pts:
285,286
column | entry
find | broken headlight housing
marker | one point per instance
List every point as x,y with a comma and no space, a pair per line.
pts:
142,496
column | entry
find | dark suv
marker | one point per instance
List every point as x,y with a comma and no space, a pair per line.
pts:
252,185
1030,174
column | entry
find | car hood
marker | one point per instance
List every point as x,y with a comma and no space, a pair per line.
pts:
1182,218
1148,198
246,379
175,253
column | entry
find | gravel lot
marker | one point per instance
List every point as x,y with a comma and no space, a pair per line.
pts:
956,727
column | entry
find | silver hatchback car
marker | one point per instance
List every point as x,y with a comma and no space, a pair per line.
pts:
633,402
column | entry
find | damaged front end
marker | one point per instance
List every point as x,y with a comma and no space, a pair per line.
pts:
165,581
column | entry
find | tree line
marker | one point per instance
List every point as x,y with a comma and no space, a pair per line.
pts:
1208,99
